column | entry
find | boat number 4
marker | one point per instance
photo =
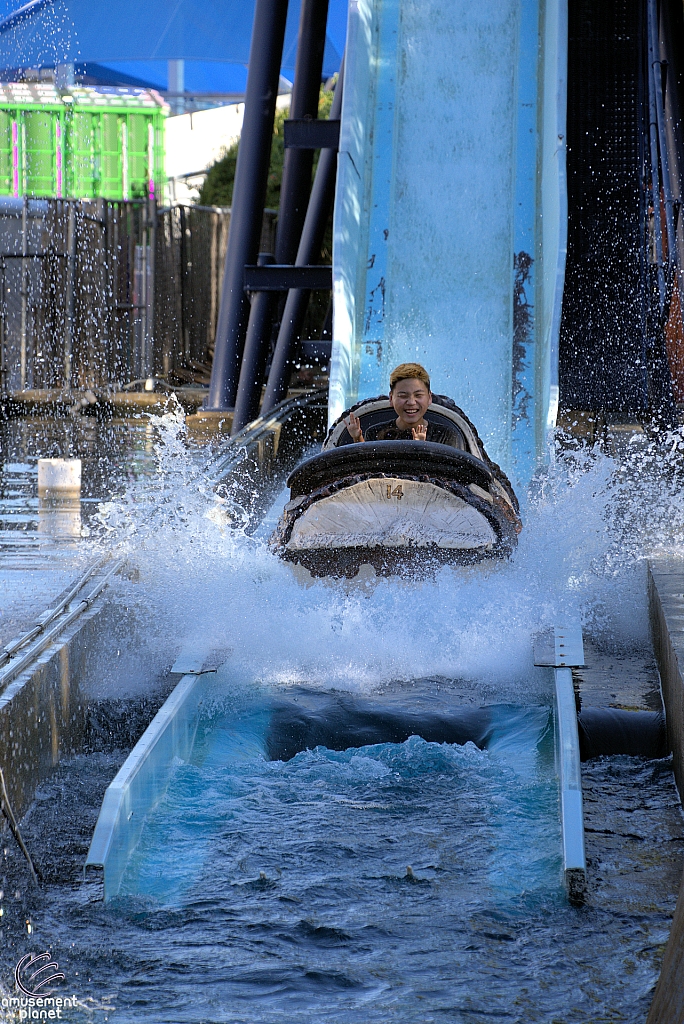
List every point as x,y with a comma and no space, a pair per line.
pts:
397,492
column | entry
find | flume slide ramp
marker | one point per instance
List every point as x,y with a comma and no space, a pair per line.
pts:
450,212
213,723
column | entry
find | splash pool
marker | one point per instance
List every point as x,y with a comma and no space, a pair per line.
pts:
267,888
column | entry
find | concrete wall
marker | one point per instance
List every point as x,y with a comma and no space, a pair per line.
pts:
666,602
43,711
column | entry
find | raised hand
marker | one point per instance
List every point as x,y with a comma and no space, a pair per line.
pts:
354,427
420,432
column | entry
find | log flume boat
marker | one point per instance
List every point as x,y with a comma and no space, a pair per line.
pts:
397,505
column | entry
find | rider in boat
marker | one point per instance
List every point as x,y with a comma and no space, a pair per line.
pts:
391,501
410,396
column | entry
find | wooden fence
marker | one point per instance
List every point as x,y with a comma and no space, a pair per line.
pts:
97,294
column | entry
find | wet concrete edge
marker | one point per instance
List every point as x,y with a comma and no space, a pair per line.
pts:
43,712
666,610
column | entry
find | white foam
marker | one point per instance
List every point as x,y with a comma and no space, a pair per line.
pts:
588,528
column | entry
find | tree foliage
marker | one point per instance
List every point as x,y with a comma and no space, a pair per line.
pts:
217,189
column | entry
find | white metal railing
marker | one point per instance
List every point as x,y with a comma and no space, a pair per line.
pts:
566,653
14,659
144,777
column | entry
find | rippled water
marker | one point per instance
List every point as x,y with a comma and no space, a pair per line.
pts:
43,545
336,930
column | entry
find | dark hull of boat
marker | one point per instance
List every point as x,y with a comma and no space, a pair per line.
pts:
408,562
388,514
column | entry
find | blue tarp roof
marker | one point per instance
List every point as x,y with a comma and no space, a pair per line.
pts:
200,76
140,37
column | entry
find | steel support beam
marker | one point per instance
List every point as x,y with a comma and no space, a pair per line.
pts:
255,355
308,134
249,193
273,278
297,164
320,203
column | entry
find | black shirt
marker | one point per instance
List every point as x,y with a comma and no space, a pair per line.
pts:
435,433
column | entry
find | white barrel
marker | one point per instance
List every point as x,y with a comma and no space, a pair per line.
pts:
59,477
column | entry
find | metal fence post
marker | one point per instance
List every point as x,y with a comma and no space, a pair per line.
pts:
70,295
142,297
149,348
3,330
24,289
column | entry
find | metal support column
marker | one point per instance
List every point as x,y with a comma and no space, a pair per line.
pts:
320,203
255,355
297,164
249,193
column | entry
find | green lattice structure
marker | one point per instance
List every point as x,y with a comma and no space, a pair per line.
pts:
81,143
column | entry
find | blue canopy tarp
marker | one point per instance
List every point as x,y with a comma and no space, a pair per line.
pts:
124,32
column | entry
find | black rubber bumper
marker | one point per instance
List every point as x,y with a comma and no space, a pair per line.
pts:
413,458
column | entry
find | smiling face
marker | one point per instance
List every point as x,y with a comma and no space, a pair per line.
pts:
410,400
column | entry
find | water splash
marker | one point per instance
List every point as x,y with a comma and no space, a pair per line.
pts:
590,523
43,37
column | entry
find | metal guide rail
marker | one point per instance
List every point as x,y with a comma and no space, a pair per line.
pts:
17,655
565,653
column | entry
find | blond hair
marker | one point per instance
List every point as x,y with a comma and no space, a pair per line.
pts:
409,371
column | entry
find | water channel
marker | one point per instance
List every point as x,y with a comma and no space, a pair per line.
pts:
412,881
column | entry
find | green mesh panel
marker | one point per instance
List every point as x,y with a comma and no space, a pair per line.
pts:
6,119
137,155
39,129
81,156
92,158
111,171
